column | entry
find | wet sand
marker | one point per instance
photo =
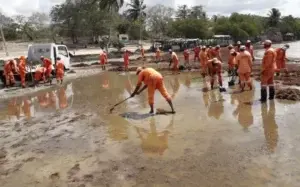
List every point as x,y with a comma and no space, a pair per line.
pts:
65,136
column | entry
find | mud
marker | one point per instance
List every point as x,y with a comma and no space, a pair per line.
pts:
65,136
292,94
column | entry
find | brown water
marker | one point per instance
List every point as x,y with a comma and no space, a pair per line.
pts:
66,137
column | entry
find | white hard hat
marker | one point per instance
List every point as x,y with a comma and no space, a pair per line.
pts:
239,43
248,41
268,42
243,47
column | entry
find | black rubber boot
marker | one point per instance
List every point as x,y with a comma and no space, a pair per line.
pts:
263,93
271,92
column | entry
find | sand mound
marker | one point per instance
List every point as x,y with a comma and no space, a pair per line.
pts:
292,94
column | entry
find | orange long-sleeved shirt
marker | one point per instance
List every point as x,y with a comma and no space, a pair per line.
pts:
146,75
269,60
244,62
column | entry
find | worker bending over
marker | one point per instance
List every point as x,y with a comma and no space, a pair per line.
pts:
216,53
9,69
267,71
22,70
48,65
60,70
281,58
215,69
244,64
175,61
153,80
39,75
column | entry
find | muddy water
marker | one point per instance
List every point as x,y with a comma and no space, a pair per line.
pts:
66,137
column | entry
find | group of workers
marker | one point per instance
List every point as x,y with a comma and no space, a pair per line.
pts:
240,62
11,67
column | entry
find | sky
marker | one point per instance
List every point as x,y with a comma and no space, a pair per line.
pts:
212,7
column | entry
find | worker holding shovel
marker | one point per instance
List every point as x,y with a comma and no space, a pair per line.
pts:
215,67
153,80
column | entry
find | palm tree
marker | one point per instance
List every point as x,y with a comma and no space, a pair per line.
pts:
111,4
136,10
274,17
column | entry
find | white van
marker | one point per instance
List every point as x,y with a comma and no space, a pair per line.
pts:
51,51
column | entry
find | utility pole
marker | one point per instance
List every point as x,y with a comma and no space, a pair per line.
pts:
3,40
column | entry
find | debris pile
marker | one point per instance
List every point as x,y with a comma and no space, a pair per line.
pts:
292,94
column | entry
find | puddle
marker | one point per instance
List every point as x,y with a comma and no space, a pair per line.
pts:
66,136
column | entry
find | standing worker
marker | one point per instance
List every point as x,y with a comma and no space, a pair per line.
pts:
231,60
22,71
244,63
186,55
196,53
238,45
153,80
281,58
142,52
210,52
9,68
203,61
174,60
249,48
216,53
215,66
60,70
157,55
267,72
48,65
126,59
102,59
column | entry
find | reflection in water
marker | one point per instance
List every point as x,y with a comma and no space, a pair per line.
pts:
105,80
205,97
175,86
216,107
43,102
270,126
154,142
117,128
188,80
243,111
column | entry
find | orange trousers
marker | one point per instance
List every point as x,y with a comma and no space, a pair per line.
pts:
48,72
38,76
59,75
245,77
157,84
10,79
23,77
280,65
175,66
267,78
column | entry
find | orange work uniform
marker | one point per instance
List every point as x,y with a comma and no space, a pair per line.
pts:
48,65
143,52
9,68
203,62
280,59
40,74
22,70
196,53
231,60
186,55
251,51
244,63
126,60
215,69
175,61
157,54
268,67
60,70
215,53
154,81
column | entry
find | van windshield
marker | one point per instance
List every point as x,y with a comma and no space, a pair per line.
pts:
62,51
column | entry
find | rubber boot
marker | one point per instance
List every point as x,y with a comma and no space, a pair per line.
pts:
263,93
271,92
250,85
151,109
171,105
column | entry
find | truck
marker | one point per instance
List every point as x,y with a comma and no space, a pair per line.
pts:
35,51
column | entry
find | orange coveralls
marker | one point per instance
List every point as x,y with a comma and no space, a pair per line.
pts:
231,60
237,48
175,61
268,67
216,54
126,60
196,53
102,58
210,53
143,52
9,68
60,70
22,70
244,62
39,74
154,81
215,69
157,54
48,66
251,51
186,55
280,59
203,62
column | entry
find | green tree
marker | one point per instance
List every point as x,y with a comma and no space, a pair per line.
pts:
274,17
183,12
197,12
136,10
189,28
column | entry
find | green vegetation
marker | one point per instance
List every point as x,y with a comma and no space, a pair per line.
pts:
93,18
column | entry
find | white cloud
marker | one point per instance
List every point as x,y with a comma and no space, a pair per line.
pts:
224,7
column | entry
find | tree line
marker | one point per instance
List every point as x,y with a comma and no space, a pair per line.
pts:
92,18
